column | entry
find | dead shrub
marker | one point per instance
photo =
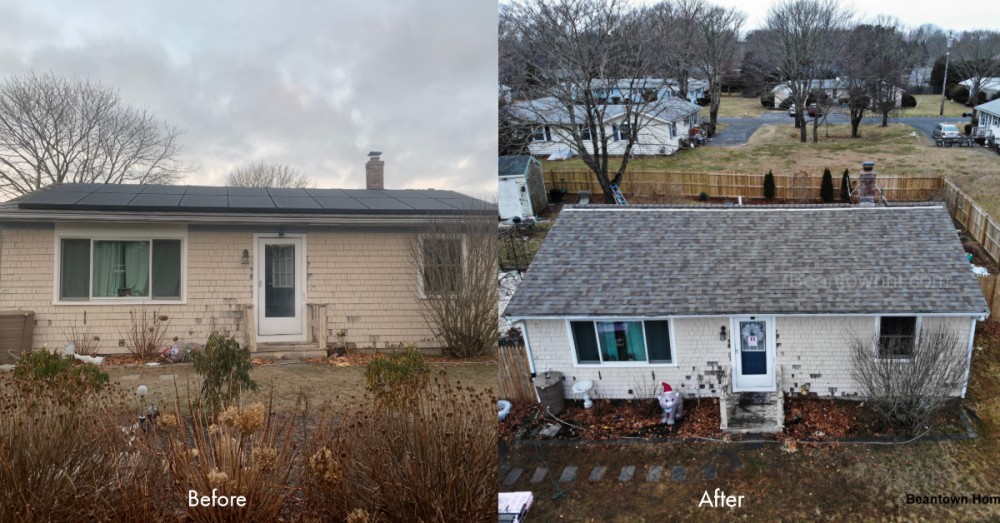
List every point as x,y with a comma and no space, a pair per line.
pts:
64,457
145,333
81,335
433,461
245,451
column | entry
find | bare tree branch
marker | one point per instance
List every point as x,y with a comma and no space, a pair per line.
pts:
264,174
55,130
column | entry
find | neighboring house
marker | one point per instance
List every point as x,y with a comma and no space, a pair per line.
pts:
662,124
989,116
266,265
919,78
722,301
988,86
522,188
646,90
835,88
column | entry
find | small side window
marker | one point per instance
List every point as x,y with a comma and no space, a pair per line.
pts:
897,336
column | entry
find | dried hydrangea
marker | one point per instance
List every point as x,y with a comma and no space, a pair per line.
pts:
324,466
168,421
358,515
264,458
216,478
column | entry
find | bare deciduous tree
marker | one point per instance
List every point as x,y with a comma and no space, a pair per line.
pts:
806,38
568,55
55,130
265,174
456,263
876,63
907,382
717,48
977,59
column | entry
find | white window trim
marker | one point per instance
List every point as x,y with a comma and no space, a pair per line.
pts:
916,335
420,265
117,232
608,364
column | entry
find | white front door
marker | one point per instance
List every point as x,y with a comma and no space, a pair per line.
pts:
753,353
279,280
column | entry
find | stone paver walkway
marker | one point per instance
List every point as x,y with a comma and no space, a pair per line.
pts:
654,473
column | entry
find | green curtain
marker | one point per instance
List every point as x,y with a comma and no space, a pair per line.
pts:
606,335
106,274
121,265
633,340
137,268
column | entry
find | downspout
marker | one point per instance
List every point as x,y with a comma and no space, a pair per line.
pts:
968,358
527,347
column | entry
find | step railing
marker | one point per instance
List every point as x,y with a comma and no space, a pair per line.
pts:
317,325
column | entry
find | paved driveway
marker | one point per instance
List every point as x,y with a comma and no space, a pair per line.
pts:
739,130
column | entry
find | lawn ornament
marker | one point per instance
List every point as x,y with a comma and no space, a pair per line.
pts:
671,403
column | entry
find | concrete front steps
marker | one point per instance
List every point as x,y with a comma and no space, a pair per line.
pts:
754,412
289,351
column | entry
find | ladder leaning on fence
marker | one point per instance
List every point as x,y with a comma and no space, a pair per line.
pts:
619,197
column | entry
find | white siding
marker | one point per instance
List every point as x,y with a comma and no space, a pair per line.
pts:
812,351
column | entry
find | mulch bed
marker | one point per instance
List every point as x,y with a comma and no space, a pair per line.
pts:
615,419
806,418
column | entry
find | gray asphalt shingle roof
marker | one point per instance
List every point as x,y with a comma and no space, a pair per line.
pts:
655,261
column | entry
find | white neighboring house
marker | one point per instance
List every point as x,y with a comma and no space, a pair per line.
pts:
987,86
989,116
662,124
646,89
834,88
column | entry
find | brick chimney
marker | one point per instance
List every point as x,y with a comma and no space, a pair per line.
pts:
374,171
866,185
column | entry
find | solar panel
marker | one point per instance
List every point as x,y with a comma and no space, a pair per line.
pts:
247,191
384,204
250,202
164,189
106,198
166,198
122,188
204,201
295,203
282,191
155,200
428,204
207,191
341,204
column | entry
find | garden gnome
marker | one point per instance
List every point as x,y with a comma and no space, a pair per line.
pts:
671,403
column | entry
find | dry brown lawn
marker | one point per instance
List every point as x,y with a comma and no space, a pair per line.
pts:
321,384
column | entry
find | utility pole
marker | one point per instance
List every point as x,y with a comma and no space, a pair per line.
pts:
944,82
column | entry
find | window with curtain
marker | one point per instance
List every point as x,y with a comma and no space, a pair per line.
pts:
442,265
97,268
610,342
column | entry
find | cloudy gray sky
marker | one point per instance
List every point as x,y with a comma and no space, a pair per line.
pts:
313,84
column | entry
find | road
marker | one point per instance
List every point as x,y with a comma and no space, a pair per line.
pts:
739,130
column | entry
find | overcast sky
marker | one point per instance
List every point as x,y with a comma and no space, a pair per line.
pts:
312,84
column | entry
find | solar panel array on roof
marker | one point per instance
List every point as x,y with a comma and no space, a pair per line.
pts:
193,198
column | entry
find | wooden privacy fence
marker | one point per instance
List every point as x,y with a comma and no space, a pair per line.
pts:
980,225
990,285
731,185
514,374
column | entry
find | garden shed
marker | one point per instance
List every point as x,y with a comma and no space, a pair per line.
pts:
522,189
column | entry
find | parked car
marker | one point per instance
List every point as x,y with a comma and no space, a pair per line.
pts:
791,111
814,111
945,130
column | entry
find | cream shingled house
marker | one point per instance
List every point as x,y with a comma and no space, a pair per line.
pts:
288,266
740,303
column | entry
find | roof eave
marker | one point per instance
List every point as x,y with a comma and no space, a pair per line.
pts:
235,219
